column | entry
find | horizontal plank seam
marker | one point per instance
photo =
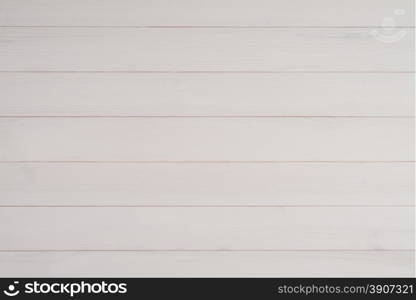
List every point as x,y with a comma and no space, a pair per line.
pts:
198,206
198,72
199,161
206,116
209,250
209,26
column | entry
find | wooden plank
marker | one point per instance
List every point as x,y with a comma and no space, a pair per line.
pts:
321,94
204,49
213,139
203,184
208,264
205,13
207,228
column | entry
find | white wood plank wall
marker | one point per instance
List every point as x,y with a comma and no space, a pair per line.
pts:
207,138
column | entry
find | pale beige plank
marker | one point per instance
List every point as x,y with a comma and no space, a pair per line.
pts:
204,49
212,139
208,264
207,184
205,13
359,94
207,228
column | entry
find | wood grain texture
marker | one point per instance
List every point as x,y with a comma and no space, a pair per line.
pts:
207,138
204,13
323,228
207,184
359,94
177,139
203,49
208,264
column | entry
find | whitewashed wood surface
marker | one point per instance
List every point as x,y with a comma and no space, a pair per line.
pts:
207,228
207,138
353,13
134,94
207,264
206,184
203,50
